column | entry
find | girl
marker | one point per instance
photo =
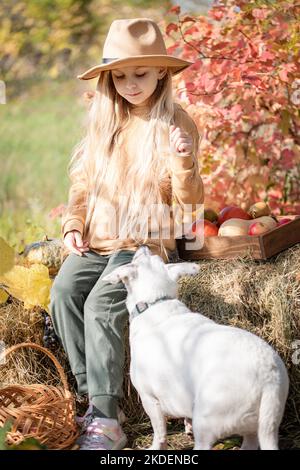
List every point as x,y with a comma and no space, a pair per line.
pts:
139,152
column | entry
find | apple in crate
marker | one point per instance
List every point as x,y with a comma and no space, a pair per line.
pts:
259,209
232,212
211,215
283,221
203,227
257,228
261,225
240,227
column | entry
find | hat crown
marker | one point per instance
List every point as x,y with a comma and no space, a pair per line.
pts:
135,42
133,37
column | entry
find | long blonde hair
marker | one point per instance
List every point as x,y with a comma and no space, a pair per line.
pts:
99,154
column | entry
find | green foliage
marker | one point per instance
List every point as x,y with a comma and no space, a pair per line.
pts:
28,444
37,134
57,37
20,227
39,33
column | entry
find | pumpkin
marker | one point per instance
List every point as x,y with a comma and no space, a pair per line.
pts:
47,252
237,227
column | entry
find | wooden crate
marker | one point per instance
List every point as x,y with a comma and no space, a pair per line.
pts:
256,247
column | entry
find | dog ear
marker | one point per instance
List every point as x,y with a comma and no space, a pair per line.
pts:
177,270
120,274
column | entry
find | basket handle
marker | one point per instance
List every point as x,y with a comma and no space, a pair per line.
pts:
49,354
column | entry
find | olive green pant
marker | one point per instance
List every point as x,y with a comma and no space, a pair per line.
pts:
89,316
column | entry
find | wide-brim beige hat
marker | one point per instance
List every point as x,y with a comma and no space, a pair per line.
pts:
136,41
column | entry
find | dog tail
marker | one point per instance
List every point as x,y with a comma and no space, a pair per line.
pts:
271,412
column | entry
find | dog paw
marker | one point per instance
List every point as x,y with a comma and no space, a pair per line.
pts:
188,429
160,446
121,416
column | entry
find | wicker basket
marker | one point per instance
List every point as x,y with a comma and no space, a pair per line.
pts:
44,412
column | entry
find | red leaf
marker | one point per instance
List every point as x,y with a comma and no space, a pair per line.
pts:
188,18
235,111
283,74
260,13
176,9
236,74
254,51
266,55
256,81
241,43
191,30
190,86
220,45
57,211
288,159
171,27
216,14
275,194
209,84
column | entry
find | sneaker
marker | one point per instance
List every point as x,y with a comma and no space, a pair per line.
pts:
102,434
87,418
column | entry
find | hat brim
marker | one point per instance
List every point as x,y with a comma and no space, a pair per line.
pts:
176,65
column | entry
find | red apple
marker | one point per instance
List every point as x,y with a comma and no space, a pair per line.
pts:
257,228
203,227
283,221
232,212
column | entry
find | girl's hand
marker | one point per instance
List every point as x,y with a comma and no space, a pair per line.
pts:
73,241
180,141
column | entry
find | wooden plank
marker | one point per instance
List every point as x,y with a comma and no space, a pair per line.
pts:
281,238
262,248
256,247
223,247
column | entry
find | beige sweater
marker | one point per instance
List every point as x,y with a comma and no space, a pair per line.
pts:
184,186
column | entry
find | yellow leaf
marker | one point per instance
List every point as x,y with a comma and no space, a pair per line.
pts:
53,71
7,257
30,285
3,296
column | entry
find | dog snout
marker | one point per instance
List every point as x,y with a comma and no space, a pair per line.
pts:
143,250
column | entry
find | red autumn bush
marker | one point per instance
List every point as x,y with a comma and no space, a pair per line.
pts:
244,93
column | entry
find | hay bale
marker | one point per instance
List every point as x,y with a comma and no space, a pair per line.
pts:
26,366
259,296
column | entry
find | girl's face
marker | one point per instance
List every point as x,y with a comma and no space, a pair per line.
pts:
136,84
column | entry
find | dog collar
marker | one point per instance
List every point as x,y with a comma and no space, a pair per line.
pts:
142,306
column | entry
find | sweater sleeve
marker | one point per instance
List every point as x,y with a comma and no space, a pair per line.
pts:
75,214
187,184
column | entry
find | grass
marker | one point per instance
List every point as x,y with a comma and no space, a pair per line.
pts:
37,134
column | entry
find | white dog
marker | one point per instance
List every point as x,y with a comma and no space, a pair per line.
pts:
227,380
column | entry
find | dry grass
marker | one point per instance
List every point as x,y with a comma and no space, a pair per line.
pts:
260,296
